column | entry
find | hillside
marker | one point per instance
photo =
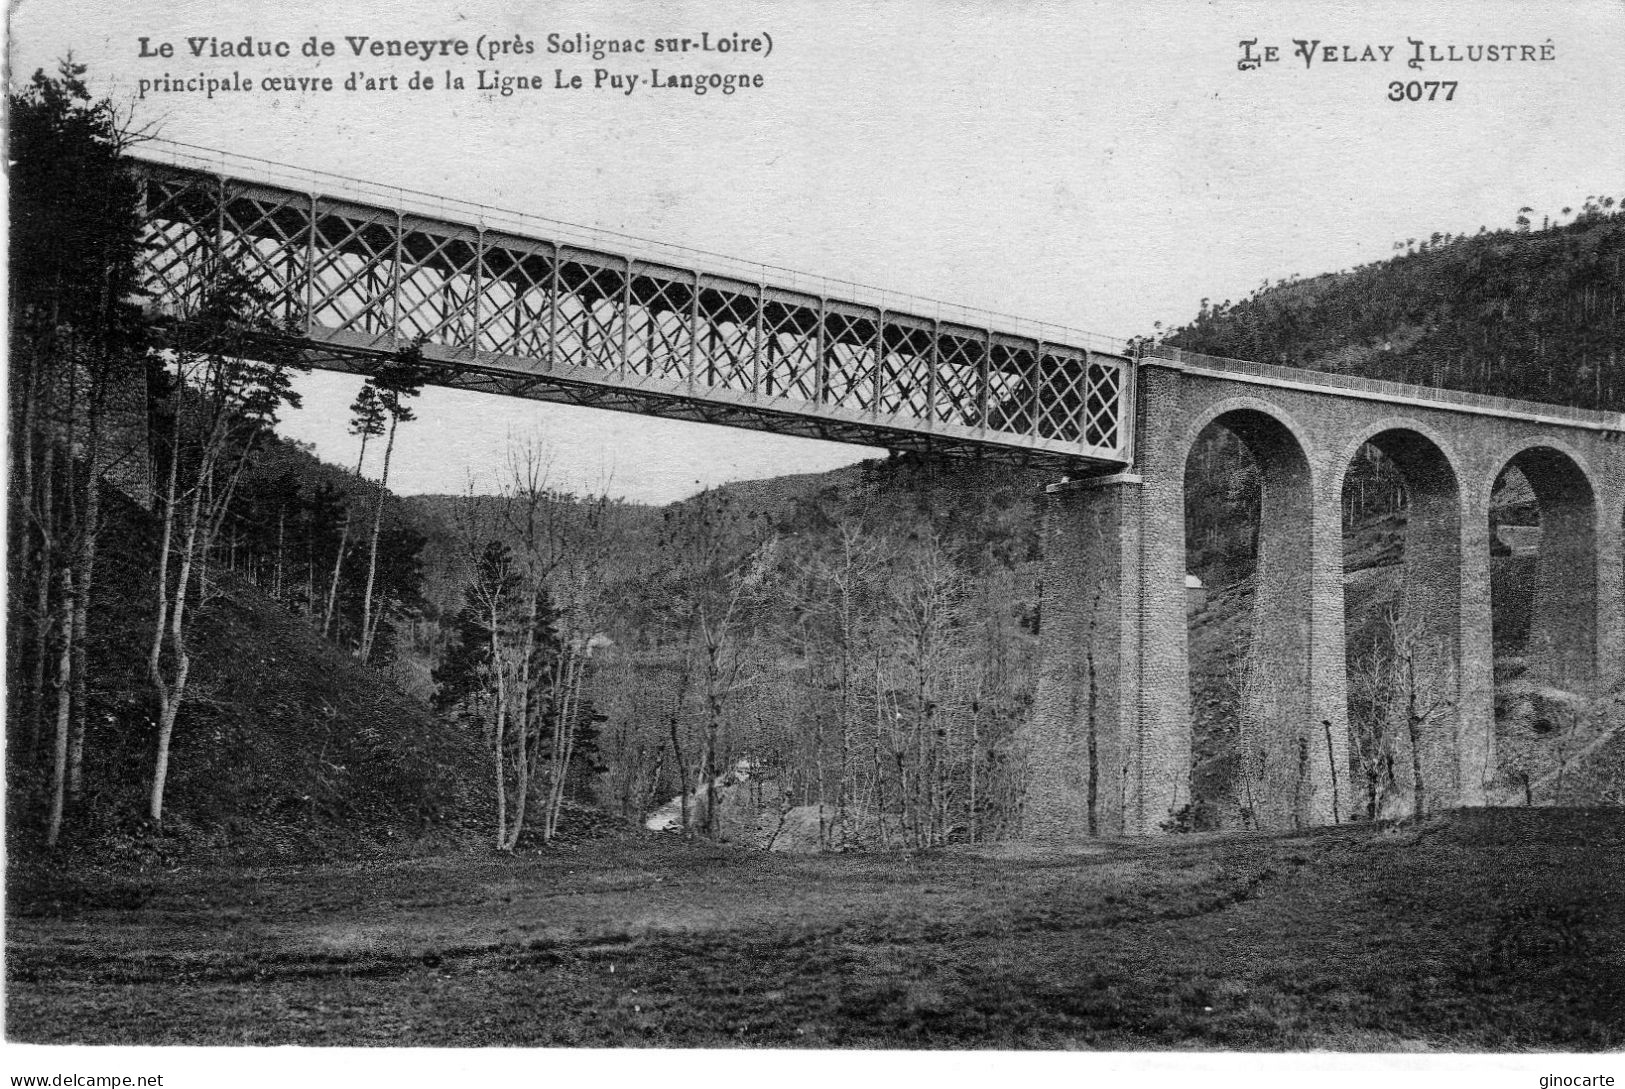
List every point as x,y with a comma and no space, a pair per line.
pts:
286,746
1532,314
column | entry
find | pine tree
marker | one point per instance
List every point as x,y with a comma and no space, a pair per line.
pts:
76,355
397,381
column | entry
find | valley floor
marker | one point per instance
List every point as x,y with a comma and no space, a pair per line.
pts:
1479,931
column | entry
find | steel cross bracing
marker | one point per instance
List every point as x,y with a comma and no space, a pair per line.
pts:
527,316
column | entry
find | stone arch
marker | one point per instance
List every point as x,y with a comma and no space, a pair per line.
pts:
1233,405
1344,457
1580,462
1411,738
1561,647
1271,780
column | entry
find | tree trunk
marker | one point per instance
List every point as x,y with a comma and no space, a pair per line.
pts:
522,791
878,759
372,552
281,531
89,534
500,729
502,785
26,434
1331,763
24,438
333,586
558,704
847,787
78,671
344,540
172,609
64,692
564,740
713,725
1414,721
1093,799
172,695
922,781
682,770
45,575
563,775
559,697
168,709
161,616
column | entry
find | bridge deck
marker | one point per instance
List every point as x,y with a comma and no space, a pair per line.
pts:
515,308
1376,389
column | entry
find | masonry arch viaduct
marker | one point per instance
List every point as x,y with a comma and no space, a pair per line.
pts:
354,272
1114,674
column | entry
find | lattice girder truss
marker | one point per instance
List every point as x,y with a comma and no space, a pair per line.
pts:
531,317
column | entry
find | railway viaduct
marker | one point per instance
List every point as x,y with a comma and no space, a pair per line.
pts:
517,306
1112,729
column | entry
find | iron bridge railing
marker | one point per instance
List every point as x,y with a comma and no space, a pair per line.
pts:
526,307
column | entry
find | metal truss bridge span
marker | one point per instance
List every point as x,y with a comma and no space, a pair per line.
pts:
520,307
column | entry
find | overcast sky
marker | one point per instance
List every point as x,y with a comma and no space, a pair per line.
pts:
1101,166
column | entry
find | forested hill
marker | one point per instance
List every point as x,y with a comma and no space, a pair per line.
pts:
1532,314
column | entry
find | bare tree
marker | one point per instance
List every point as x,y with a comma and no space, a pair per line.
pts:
925,620
528,632
724,659
1373,692
227,383
564,541
839,589
1396,694
720,568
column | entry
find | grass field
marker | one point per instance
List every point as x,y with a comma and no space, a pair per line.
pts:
1482,930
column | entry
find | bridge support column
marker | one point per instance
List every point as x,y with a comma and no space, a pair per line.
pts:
1475,714
1429,634
1561,649
1284,751
1611,577
1108,746
1160,780
1110,737
1331,793
1079,741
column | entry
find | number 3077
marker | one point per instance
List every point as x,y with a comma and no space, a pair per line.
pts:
1417,91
